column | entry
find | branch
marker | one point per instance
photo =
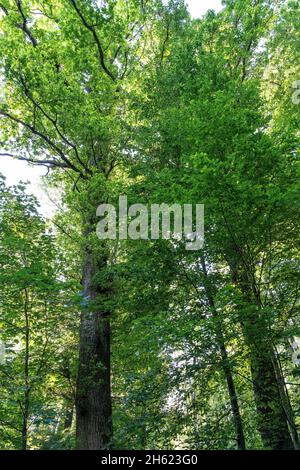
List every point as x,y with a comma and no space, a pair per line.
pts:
96,38
64,231
53,122
10,425
110,169
162,55
4,9
47,163
125,66
24,26
45,138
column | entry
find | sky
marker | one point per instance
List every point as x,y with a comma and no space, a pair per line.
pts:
15,170
197,8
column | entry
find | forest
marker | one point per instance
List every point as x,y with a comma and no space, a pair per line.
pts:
137,342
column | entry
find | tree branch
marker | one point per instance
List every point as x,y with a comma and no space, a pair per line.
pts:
45,138
47,163
24,26
96,38
53,122
4,9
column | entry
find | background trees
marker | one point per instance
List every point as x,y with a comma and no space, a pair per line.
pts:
37,326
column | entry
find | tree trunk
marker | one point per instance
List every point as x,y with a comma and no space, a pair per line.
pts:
241,445
235,410
272,420
68,418
25,408
93,400
285,400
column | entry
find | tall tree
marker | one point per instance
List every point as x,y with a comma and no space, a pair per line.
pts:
67,66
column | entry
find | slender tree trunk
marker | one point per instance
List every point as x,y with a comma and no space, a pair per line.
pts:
238,425
26,375
241,444
93,400
68,418
285,400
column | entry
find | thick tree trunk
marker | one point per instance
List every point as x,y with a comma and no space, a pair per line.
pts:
272,420
93,401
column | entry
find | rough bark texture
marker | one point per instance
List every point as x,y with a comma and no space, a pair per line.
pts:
272,418
93,401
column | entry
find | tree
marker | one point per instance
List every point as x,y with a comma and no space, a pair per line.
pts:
66,108
33,316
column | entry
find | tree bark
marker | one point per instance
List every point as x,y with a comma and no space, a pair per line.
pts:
68,418
235,409
93,400
25,408
285,400
272,420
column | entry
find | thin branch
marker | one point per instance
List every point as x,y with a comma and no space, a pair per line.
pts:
10,425
63,231
125,66
45,138
110,168
47,163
